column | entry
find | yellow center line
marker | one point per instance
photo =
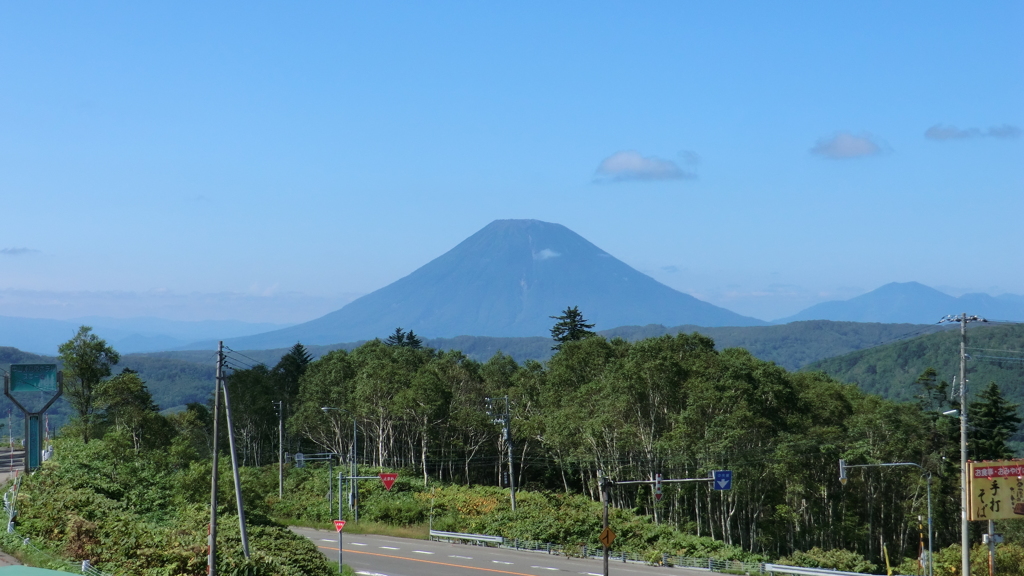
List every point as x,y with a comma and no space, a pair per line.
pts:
428,561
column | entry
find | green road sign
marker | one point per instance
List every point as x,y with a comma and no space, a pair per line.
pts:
33,377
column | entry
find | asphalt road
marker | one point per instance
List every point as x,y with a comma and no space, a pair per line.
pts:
10,462
388,556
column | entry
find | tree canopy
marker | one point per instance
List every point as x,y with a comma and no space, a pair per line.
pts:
87,360
571,326
405,339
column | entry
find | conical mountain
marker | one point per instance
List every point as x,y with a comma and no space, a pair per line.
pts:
507,280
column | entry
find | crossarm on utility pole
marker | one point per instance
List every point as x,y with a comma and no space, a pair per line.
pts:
669,481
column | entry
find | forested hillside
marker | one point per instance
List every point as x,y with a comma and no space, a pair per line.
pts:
996,355
670,405
179,377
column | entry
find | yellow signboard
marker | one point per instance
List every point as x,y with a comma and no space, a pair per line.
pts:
997,489
607,537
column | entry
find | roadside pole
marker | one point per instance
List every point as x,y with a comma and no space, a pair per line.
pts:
234,468
339,525
211,561
387,479
280,449
719,479
604,525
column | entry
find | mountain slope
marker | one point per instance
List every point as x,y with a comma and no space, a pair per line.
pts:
507,280
997,354
911,302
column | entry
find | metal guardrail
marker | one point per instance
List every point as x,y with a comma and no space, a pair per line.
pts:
782,569
668,560
462,536
585,551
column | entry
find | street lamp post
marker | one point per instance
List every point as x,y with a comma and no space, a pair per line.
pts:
352,462
842,478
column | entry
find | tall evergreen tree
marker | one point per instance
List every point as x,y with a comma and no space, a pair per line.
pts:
571,326
993,422
932,395
397,338
412,341
404,339
289,369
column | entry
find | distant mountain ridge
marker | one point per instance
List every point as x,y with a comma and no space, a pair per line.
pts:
126,335
914,303
178,377
506,280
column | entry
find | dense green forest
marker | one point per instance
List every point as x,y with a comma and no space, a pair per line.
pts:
180,377
670,405
996,354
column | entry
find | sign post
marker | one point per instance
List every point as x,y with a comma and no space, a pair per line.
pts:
720,480
34,379
339,525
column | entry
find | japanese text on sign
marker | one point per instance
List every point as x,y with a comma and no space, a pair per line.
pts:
997,490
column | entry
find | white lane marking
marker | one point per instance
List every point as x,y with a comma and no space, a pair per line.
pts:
421,552
356,543
543,568
591,574
462,557
323,539
500,562
371,574
390,548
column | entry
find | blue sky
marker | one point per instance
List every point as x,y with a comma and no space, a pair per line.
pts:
167,159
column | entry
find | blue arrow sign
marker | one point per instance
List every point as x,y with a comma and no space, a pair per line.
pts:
723,480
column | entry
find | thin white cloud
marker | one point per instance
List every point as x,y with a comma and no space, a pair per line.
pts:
844,145
545,254
940,132
18,251
629,165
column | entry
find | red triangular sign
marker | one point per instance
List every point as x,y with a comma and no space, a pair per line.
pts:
388,479
339,525
657,496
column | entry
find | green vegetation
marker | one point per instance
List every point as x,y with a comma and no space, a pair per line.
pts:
86,360
179,378
571,327
146,512
541,516
890,371
673,405
670,405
